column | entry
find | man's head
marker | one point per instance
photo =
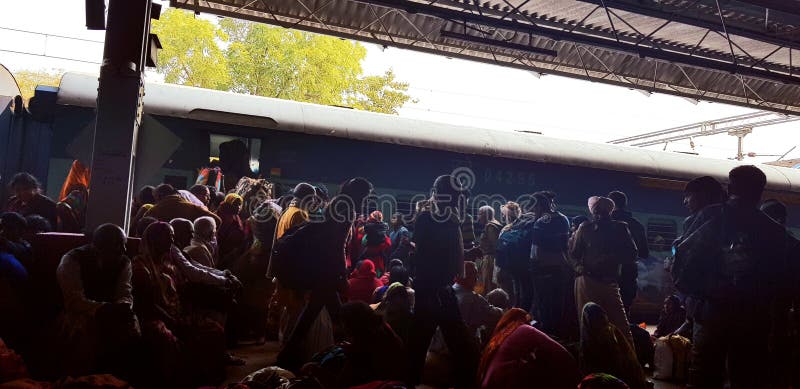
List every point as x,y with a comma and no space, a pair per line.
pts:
164,190
109,241
747,183
775,210
12,225
205,228
25,186
702,192
448,191
202,193
671,303
499,298
357,189
510,211
184,229
600,207
620,199
485,214
543,203
146,195
470,276
304,193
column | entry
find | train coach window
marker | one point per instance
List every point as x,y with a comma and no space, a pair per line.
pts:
661,233
253,145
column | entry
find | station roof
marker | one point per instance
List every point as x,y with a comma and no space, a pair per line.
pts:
738,52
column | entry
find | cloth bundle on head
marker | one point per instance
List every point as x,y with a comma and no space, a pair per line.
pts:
190,197
600,206
376,216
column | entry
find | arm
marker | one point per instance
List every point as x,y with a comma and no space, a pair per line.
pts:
641,240
69,279
199,274
124,292
577,249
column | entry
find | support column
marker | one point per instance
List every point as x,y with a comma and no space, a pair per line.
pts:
119,113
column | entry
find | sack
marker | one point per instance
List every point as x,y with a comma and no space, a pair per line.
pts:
287,261
672,357
513,247
320,336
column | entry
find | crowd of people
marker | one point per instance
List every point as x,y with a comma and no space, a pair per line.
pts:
534,299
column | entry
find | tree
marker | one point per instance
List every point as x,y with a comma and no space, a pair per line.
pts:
258,59
191,55
29,79
379,94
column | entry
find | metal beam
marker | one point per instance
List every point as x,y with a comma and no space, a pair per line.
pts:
608,44
646,11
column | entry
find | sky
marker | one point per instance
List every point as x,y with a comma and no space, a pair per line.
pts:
447,90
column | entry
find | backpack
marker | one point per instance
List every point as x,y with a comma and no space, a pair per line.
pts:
715,260
672,357
287,261
513,247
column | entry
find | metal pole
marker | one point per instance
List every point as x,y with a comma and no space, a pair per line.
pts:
119,103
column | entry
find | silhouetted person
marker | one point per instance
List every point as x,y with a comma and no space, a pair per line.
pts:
628,284
99,323
440,258
28,199
734,264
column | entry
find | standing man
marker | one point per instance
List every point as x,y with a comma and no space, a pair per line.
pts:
488,242
733,264
553,279
322,245
628,285
439,259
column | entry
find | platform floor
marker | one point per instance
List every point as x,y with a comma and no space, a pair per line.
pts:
260,356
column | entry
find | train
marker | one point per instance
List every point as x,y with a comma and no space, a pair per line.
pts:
290,142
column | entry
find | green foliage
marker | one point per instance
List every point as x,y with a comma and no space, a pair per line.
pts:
271,61
191,55
29,79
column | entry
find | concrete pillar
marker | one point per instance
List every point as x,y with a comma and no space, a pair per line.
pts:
119,112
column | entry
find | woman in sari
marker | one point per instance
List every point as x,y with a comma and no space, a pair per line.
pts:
520,356
231,235
177,343
604,349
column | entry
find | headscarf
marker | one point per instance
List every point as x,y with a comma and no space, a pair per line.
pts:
233,199
376,216
511,320
157,239
600,206
366,269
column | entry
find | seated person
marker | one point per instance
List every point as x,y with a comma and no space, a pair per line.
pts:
203,245
363,282
36,225
184,229
520,356
396,310
177,339
99,323
671,318
71,209
398,274
604,349
12,229
28,199
371,352
171,205
499,298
